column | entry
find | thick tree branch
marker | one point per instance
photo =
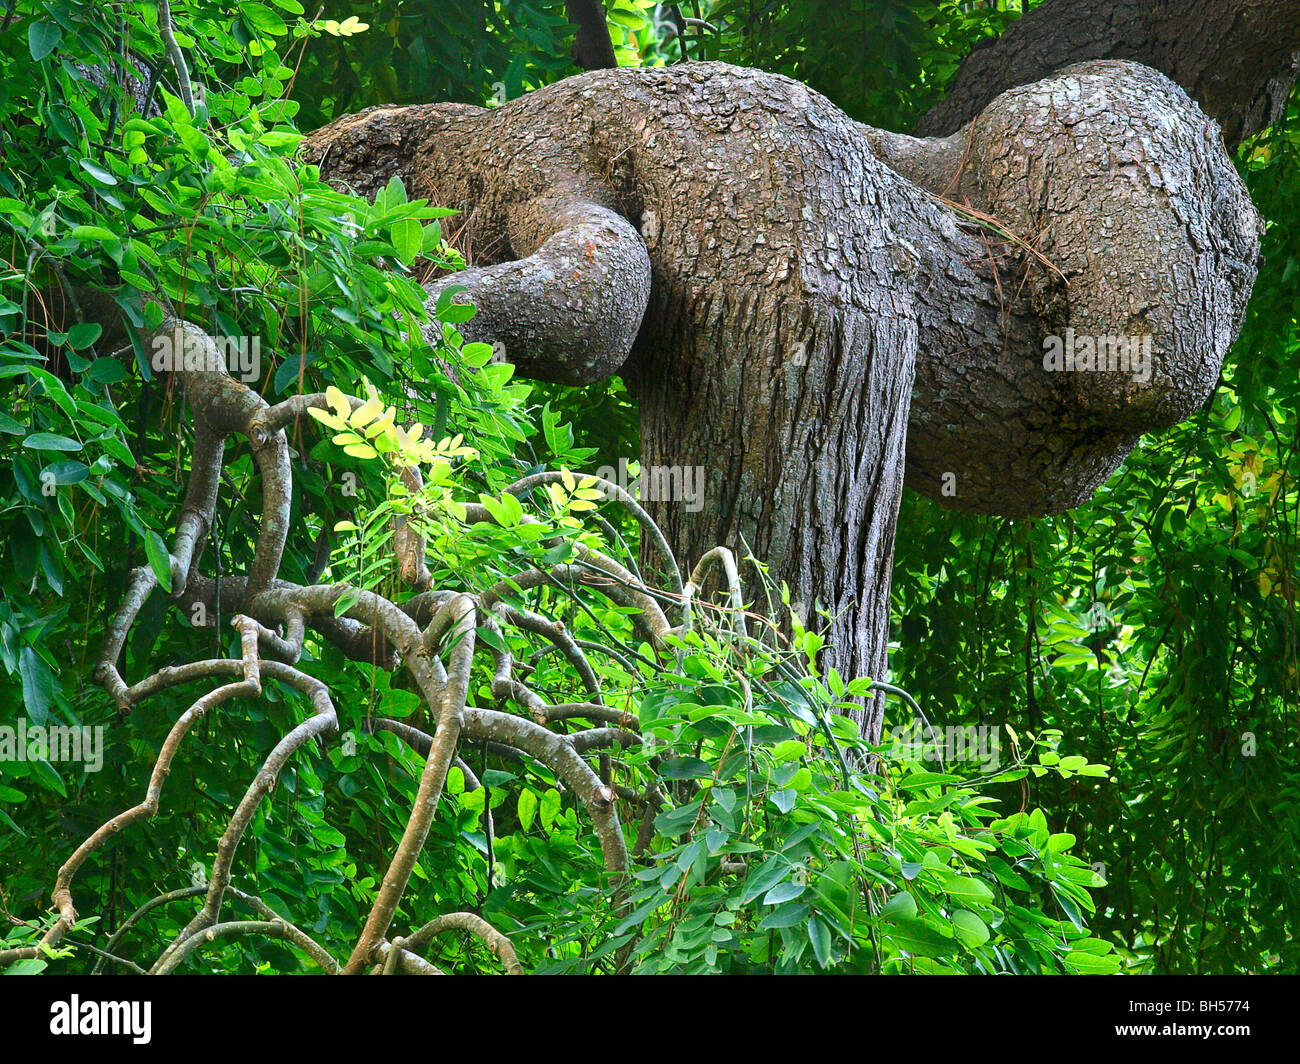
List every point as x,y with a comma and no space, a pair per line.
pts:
567,311
819,289
1237,58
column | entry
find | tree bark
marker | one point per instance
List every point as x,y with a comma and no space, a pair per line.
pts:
800,310
1237,58
592,48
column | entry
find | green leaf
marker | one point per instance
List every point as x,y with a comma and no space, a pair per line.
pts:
914,936
1071,909
92,233
67,472
49,441
966,889
970,928
630,19
42,39
106,371
902,904
408,239
476,354
819,936
783,892
784,800
1091,964
685,768
785,916
84,334
38,685
550,807
262,19
393,195
159,559
769,875
97,172
527,808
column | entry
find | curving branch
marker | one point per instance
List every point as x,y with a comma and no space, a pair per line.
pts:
1238,59
276,928
724,559
250,685
324,722
253,902
407,963
458,615
472,924
559,754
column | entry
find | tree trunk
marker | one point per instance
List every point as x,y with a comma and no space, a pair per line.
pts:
792,296
592,48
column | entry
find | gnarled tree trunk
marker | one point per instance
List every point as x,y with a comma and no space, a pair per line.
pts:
806,307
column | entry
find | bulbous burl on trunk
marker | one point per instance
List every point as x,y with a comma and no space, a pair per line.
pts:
805,307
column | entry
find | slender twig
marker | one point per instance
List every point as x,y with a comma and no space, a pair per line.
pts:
175,54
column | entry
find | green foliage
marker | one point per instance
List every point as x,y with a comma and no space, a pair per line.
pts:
765,861
212,212
885,62
770,848
472,51
1156,625
208,212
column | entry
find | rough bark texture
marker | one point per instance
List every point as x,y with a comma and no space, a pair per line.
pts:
801,275
1237,58
1123,186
